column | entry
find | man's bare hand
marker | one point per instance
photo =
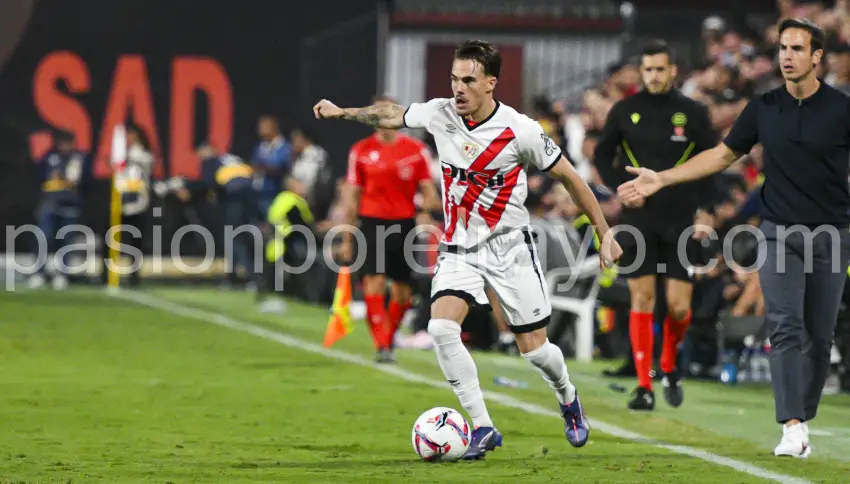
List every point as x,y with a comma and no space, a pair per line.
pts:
346,251
703,225
636,191
633,203
609,250
325,109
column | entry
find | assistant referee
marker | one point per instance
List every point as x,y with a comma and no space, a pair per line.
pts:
805,130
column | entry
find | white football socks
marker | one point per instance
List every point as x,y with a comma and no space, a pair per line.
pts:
549,362
459,369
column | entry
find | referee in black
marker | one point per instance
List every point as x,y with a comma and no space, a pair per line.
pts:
804,128
657,128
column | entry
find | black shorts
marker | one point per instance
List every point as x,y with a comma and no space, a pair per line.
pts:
661,256
385,248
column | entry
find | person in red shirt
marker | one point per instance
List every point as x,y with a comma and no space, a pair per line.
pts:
385,172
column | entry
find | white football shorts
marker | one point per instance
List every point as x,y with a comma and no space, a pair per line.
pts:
508,263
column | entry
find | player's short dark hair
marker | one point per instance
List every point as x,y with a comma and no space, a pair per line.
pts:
817,33
483,53
659,46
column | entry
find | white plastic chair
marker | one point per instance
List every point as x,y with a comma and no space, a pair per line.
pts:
583,307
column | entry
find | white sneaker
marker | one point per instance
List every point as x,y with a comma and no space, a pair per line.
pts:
809,447
60,282
272,306
795,442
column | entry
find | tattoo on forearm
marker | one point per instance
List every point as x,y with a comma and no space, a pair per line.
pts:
377,116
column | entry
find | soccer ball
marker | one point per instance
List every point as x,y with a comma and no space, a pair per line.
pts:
441,434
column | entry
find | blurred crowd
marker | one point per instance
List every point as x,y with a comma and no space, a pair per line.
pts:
737,63
287,179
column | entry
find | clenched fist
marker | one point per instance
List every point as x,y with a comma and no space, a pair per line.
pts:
325,109
609,251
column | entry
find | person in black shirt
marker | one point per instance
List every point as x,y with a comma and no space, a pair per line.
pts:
804,128
657,128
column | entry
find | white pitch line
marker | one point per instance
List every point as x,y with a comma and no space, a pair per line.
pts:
506,400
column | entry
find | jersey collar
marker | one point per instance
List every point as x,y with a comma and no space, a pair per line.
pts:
471,125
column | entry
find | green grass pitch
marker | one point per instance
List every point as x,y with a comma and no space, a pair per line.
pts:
95,388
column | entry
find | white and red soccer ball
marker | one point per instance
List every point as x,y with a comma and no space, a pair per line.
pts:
441,434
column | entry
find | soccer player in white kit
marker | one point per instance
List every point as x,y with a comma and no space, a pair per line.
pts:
485,148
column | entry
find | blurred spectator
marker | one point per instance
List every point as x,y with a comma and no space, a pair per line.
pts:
624,81
730,49
133,182
271,160
290,219
586,168
338,211
712,29
838,59
759,71
698,81
310,163
597,103
724,108
785,8
61,173
229,179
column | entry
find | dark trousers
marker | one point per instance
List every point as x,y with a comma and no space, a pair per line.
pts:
274,278
802,302
140,221
241,210
50,221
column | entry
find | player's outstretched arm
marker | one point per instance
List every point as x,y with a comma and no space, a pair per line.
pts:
384,115
648,182
702,165
564,172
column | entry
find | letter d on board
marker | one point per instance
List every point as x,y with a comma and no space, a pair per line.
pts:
188,75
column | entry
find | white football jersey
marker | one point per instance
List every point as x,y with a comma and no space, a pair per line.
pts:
484,167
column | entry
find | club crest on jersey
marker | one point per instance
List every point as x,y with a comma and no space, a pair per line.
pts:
464,176
679,121
471,150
